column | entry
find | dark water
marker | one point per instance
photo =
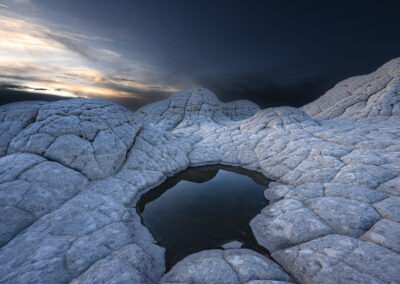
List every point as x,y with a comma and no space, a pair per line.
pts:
203,208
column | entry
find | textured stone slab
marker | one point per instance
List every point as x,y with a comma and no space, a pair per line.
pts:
385,233
228,266
359,193
276,191
286,223
340,259
389,208
347,217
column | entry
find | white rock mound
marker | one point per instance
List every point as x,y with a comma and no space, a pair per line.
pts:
193,106
368,96
232,266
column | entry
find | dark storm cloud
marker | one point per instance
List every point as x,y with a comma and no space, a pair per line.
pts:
15,93
11,87
20,87
121,79
25,75
272,52
265,92
70,43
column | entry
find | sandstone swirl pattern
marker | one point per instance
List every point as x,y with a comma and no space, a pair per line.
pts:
72,171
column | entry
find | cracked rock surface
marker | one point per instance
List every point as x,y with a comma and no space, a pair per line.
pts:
72,171
225,266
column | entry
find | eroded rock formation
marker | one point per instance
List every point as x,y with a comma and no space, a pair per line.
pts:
72,171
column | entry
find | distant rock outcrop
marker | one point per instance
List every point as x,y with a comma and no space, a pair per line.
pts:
71,173
367,96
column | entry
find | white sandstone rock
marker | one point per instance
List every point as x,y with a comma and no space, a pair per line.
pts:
228,266
72,171
232,245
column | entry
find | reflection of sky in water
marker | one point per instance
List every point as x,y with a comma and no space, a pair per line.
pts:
213,208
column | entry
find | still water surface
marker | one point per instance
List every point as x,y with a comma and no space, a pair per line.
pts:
203,208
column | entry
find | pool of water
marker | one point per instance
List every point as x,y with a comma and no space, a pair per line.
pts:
203,208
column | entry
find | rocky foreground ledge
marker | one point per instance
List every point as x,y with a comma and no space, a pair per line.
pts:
72,171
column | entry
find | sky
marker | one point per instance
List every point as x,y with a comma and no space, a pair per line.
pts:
137,52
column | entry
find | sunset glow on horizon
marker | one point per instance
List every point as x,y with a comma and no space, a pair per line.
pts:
39,59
